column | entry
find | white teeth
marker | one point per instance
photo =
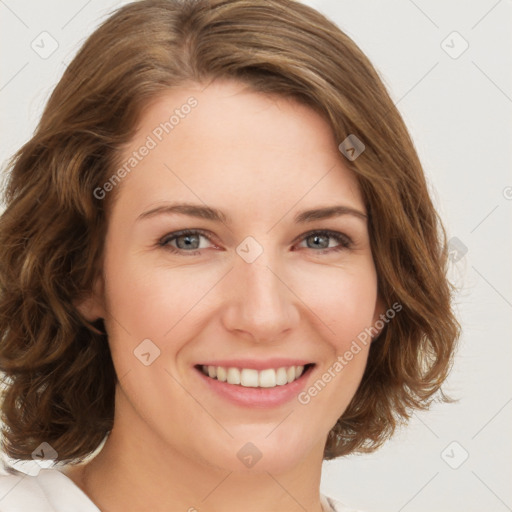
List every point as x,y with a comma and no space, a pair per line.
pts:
233,376
251,378
267,378
281,377
221,374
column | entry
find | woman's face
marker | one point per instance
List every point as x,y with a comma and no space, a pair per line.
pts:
258,285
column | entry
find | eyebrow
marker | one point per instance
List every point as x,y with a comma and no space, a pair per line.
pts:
213,214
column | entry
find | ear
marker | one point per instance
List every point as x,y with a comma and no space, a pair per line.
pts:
92,306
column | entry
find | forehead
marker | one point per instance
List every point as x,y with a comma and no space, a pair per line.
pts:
224,141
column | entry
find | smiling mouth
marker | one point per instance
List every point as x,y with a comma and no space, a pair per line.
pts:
251,378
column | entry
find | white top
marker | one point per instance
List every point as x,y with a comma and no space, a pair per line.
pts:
53,491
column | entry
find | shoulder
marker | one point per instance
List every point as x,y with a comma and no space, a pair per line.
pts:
48,491
336,506
21,491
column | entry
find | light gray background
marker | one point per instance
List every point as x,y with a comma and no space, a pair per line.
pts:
459,113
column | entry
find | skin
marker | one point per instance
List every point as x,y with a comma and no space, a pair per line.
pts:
174,443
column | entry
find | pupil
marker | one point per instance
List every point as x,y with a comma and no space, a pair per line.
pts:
322,245
188,243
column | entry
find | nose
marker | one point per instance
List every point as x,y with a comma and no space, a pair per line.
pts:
259,301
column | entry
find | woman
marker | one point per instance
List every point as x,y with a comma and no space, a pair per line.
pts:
220,266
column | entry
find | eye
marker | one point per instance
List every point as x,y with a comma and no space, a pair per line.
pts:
188,241
321,241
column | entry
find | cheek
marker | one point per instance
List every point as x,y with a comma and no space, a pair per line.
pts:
343,300
162,303
137,303
147,299
345,308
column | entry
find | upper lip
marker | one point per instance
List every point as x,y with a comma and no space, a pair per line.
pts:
256,364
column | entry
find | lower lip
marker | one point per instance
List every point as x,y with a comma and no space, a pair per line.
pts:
256,397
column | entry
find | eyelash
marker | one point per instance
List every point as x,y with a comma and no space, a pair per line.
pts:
344,241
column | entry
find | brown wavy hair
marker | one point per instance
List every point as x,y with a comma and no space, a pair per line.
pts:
58,375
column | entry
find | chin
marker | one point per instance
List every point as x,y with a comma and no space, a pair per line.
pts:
260,454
